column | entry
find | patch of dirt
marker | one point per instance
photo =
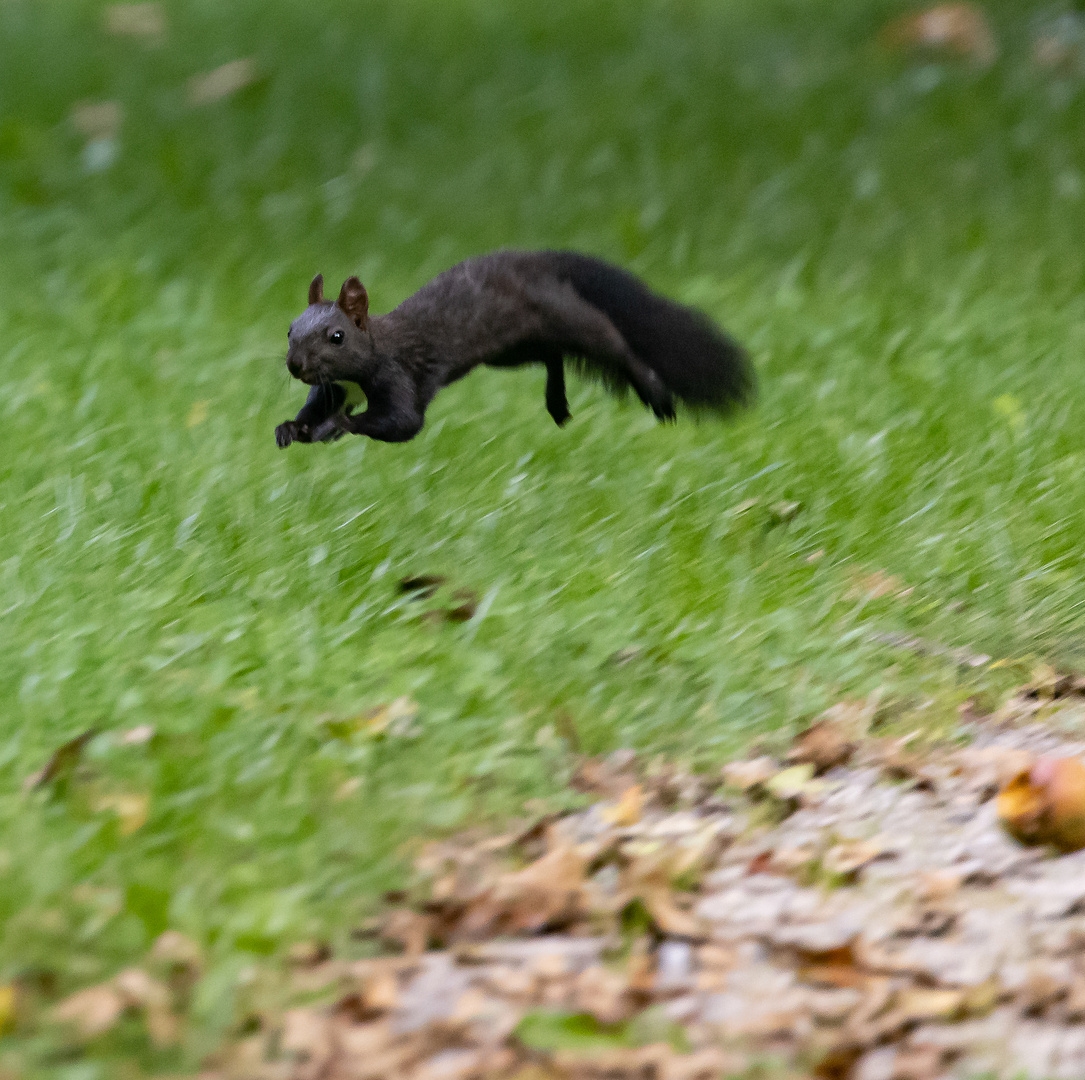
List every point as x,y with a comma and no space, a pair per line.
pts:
856,911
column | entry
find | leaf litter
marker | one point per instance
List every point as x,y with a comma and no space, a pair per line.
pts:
900,914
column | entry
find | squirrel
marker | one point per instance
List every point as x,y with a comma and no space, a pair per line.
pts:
504,309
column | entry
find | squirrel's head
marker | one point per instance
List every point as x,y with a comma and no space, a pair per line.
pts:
327,336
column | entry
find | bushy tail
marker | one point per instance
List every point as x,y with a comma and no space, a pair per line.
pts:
698,362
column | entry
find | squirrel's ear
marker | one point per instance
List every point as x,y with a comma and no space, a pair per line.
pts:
316,290
354,300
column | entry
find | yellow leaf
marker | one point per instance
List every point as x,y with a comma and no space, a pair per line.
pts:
628,809
395,718
791,783
197,414
1045,804
131,809
7,1007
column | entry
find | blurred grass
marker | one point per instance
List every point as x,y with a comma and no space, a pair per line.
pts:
899,241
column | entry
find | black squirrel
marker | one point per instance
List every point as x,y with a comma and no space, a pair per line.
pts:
503,309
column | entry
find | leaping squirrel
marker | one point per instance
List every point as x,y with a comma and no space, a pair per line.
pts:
504,309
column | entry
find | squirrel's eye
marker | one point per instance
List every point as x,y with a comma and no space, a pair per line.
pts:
336,337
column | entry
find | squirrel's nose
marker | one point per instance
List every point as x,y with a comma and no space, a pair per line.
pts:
293,365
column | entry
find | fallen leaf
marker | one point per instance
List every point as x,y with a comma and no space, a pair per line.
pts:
546,891
874,586
422,585
850,856
465,609
93,1011
224,81
140,991
918,1005
137,736
409,928
792,783
745,775
62,763
673,921
7,1007
958,29
1045,804
395,720
604,994
145,21
97,119
174,948
628,809
131,809
783,512
307,1036
1046,682
307,954
197,414
823,745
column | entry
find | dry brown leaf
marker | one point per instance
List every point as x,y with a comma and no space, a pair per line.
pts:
649,880
850,856
63,761
920,1004
823,745
146,21
604,994
465,609
1046,804
307,1036
746,775
958,29
544,892
381,991
140,991
409,929
93,1011
172,947
223,82
396,719
627,811
423,586
875,585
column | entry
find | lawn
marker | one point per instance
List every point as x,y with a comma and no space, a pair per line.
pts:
899,241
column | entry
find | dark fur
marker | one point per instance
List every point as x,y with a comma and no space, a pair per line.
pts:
505,309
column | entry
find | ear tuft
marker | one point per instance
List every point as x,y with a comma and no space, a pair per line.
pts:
354,300
316,290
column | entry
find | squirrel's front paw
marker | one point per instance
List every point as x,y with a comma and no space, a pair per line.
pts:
290,432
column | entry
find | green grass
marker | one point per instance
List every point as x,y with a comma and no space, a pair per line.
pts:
901,244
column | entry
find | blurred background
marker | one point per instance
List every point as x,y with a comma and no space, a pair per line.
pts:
883,200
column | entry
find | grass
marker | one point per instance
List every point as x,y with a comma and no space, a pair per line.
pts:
900,243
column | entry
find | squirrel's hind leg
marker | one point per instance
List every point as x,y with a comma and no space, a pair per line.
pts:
557,404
